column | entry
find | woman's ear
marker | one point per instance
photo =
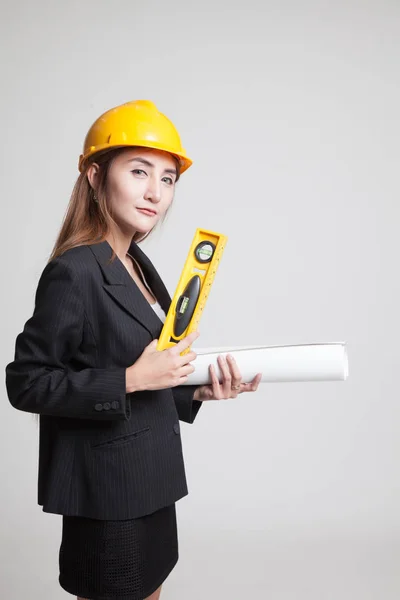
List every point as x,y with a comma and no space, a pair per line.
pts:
91,174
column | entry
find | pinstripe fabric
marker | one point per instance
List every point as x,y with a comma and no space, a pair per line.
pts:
103,453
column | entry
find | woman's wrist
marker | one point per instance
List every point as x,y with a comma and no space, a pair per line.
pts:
196,395
131,380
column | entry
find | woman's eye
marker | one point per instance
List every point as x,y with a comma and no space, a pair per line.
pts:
138,171
169,180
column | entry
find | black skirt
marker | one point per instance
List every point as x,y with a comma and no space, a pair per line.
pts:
118,560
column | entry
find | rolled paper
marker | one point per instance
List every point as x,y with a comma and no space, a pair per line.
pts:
302,362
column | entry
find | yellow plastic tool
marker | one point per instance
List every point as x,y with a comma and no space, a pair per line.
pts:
193,288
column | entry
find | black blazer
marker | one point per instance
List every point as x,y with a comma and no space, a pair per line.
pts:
103,453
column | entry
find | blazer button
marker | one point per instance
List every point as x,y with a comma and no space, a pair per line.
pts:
106,406
176,428
115,404
98,406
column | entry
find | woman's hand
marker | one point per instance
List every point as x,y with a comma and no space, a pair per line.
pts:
156,370
231,385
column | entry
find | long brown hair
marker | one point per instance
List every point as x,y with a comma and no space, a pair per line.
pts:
87,221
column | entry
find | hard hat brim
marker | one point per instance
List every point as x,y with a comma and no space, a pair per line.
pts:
184,160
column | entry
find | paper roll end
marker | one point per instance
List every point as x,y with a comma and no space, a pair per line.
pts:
345,363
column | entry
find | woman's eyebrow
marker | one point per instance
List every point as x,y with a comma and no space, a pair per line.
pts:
150,164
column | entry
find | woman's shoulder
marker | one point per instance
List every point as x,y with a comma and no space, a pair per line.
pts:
78,261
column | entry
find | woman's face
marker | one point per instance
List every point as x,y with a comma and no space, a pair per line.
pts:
140,188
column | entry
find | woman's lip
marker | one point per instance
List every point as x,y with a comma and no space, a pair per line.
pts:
147,212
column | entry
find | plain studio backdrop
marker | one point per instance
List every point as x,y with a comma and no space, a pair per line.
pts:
290,111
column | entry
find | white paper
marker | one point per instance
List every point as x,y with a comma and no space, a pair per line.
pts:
303,362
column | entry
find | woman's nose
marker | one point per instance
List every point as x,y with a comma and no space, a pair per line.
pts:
153,191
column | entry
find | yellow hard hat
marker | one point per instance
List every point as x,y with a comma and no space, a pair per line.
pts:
135,123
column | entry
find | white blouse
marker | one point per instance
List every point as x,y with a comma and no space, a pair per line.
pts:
156,306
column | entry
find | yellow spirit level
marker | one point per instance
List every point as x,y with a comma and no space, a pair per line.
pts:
193,288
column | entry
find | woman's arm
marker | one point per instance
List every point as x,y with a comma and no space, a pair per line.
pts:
185,402
38,380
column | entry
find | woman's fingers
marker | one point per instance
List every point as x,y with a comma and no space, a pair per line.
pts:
226,376
236,374
231,377
256,381
252,385
216,386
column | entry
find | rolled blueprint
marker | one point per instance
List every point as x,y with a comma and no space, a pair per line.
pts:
307,362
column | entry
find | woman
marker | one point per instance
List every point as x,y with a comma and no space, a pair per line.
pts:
110,455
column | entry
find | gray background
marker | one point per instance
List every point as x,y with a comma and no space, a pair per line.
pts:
290,111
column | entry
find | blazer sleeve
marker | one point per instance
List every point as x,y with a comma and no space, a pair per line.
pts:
39,379
185,405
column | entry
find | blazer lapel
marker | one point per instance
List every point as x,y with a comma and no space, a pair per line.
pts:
123,289
152,277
